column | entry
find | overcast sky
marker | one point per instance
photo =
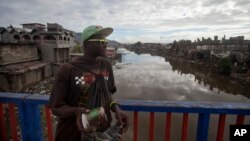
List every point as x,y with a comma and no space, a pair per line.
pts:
136,20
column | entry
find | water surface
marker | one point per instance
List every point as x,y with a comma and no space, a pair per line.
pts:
146,77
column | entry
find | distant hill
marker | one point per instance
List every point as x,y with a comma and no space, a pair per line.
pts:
111,43
114,44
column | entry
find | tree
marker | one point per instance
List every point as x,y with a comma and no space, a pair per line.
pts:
77,49
224,66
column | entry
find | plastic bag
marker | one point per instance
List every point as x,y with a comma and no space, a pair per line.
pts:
100,97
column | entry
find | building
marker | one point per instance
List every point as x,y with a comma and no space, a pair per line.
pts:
110,52
53,42
32,53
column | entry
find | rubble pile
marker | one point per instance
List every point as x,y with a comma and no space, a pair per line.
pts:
44,87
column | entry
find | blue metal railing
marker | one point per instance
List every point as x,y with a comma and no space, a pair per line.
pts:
30,117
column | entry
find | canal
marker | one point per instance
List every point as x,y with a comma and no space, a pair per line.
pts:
146,77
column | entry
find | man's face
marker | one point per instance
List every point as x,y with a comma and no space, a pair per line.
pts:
97,45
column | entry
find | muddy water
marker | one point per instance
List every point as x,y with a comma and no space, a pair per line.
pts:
146,77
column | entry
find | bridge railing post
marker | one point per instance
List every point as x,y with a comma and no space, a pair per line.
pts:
30,122
203,126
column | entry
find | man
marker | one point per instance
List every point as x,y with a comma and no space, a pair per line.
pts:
71,89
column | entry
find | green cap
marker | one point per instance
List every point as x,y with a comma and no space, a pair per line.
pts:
95,30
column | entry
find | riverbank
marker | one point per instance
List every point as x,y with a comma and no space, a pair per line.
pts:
201,71
43,87
212,66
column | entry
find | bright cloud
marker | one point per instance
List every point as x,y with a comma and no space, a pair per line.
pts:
136,20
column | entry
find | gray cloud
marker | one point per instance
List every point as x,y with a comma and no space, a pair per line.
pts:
208,3
143,20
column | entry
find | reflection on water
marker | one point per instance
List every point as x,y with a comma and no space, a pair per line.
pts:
146,77
213,80
151,78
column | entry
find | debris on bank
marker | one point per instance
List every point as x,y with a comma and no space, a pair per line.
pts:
44,87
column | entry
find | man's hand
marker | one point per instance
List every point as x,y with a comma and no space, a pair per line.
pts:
122,118
79,112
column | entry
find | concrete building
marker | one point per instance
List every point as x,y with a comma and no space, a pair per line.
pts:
53,42
204,48
21,66
32,53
